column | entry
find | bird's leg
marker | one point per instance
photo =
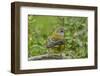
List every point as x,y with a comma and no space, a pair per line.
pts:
49,52
63,55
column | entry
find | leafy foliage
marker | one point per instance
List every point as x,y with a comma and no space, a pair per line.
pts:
40,27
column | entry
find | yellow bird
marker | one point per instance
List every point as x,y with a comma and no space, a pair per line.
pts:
56,42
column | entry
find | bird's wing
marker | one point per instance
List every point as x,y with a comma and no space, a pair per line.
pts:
52,43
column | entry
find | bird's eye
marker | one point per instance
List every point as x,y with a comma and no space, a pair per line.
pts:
61,31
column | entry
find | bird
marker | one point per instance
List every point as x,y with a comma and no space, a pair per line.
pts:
56,42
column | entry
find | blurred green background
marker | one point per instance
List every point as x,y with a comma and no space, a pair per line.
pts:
40,27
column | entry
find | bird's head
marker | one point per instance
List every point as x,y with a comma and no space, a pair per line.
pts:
60,30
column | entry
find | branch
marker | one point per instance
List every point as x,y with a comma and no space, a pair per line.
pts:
47,57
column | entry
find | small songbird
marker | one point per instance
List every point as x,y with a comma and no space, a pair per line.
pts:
56,42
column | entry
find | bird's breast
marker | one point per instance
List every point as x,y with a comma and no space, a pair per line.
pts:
57,36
